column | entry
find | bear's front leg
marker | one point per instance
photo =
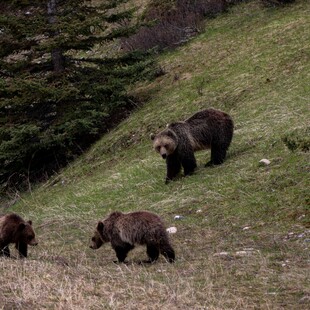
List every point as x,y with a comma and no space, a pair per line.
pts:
22,248
189,163
122,251
173,167
152,252
5,251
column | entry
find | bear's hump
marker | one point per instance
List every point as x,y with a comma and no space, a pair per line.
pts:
11,220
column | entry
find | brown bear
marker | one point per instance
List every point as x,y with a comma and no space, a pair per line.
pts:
177,143
13,229
126,230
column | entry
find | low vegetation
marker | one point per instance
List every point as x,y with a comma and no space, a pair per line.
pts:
172,23
243,238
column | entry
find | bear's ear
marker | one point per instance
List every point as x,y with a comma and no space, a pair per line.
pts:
152,136
21,226
100,226
30,222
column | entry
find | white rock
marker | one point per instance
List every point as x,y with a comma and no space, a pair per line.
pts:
171,230
178,217
264,162
246,228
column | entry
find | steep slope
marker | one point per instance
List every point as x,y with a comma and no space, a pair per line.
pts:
242,242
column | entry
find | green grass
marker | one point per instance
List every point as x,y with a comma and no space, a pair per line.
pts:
253,63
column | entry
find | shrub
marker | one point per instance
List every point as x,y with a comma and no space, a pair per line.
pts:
298,139
171,23
273,3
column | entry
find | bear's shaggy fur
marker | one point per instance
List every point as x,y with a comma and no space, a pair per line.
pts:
126,230
177,143
13,229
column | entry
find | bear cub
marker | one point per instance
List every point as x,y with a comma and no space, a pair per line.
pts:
13,229
126,230
206,129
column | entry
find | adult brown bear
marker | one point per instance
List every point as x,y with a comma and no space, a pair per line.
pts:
206,129
13,229
126,230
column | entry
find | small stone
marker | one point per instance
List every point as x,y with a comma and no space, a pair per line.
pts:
304,300
301,217
171,230
221,254
199,211
246,228
178,217
249,249
242,253
264,162
290,235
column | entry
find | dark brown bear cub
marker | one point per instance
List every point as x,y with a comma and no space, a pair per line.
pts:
126,230
13,229
206,129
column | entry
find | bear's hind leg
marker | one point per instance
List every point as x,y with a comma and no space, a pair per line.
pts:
218,155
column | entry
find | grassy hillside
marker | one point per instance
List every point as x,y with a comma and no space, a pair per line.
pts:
244,240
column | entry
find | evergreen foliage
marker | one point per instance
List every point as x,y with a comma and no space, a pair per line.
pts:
56,98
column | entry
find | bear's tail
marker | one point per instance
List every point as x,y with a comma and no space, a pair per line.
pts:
167,251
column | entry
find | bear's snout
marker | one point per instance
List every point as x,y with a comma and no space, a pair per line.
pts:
164,156
34,243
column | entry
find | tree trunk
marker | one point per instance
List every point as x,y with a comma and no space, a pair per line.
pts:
58,60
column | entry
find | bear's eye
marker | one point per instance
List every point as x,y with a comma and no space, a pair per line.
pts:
30,238
166,146
93,239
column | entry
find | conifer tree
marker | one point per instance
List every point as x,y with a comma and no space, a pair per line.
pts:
56,94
